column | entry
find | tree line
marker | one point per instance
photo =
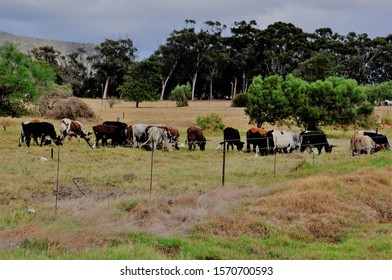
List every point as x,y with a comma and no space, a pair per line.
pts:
220,62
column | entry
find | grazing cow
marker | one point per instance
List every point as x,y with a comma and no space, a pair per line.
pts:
22,134
258,138
139,134
195,137
380,139
71,128
124,131
174,134
360,144
104,132
285,141
130,135
232,137
43,130
158,137
315,139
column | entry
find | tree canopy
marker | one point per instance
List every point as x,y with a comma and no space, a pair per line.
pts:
334,101
21,80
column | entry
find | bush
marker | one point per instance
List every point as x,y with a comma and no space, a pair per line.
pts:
71,108
240,100
211,122
112,100
181,94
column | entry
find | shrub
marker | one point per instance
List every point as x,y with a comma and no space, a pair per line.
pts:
240,100
181,94
65,108
112,101
211,122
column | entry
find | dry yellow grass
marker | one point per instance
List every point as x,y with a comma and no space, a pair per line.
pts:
186,195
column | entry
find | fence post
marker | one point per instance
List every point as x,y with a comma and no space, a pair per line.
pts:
57,181
152,166
224,163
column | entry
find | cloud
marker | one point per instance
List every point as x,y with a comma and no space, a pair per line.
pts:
149,22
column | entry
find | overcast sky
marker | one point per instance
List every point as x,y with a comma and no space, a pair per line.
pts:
149,22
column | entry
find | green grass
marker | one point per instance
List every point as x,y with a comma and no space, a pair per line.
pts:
116,219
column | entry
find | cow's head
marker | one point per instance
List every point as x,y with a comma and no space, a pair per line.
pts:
58,140
328,148
240,146
88,136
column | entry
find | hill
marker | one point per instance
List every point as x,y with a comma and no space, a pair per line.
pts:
25,44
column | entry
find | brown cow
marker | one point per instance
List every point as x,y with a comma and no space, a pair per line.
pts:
195,137
104,132
258,138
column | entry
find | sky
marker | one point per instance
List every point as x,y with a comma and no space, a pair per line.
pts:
149,22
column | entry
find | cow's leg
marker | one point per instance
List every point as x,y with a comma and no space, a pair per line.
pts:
28,139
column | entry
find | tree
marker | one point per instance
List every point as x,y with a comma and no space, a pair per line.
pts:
334,101
112,62
141,83
267,101
319,66
21,80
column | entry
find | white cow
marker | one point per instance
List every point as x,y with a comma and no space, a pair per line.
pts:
139,134
158,137
284,140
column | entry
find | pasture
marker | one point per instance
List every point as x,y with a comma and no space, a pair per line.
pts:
292,206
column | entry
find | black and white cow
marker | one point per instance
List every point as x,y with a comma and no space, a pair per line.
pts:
232,137
315,139
284,141
43,130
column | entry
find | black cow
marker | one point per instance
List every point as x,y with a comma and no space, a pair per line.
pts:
232,137
315,139
380,139
258,138
104,132
43,130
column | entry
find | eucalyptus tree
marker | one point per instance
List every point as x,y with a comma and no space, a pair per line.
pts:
111,63
284,46
381,64
243,52
357,56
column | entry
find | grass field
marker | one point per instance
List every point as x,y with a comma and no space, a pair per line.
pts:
113,205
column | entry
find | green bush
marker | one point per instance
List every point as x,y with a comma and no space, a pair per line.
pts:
240,100
181,94
211,122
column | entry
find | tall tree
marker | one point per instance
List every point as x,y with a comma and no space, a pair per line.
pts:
112,62
284,47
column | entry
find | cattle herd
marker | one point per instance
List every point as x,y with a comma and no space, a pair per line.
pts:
166,137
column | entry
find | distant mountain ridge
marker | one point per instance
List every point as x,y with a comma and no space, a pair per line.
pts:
26,44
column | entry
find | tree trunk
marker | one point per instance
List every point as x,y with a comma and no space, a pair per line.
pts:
194,78
211,89
235,87
165,80
106,88
137,104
